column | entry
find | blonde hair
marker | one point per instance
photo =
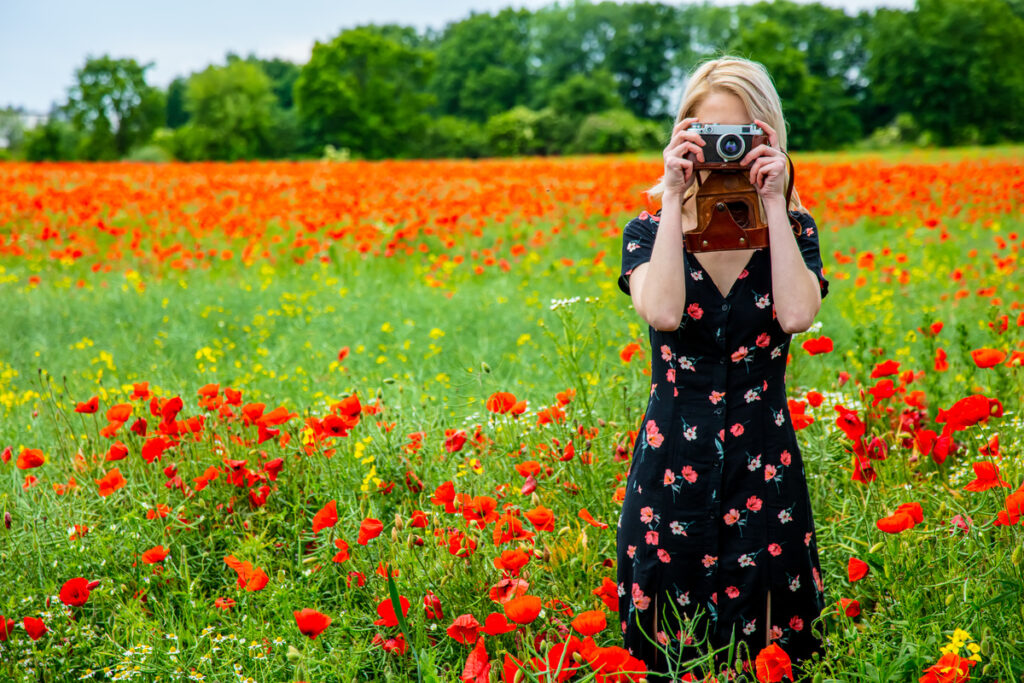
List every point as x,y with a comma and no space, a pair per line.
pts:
747,80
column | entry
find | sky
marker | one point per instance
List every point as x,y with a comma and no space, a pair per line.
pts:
42,42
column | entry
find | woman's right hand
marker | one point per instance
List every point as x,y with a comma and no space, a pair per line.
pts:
684,146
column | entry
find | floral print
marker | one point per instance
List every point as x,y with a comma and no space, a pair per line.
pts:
716,512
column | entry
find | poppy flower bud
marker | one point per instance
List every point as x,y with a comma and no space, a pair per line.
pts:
7,520
293,655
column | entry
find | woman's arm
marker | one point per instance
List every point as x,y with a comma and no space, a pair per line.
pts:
658,287
795,289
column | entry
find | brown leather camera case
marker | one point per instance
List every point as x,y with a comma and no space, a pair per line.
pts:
729,212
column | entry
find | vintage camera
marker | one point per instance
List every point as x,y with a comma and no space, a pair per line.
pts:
727,144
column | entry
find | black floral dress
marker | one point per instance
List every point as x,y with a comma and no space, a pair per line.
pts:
716,511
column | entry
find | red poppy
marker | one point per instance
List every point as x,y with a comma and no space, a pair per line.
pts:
273,468
628,351
816,345
496,624
895,523
432,606
856,569
951,668
454,440
117,451
154,448
34,627
444,494
224,603
76,591
155,554
501,402
326,517
799,418
542,518
478,666
311,622
343,553
883,389
369,530
815,398
986,358
589,519
119,413
88,407
772,664
986,476
849,607
464,629
608,593
885,368
386,611
523,609
111,481
590,622
511,561
250,578
29,458
6,627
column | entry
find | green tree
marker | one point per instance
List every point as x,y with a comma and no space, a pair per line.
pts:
54,140
12,131
281,72
177,115
647,49
584,94
113,107
232,111
954,65
645,46
481,66
817,111
365,92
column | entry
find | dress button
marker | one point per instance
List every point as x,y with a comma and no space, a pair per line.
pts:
725,307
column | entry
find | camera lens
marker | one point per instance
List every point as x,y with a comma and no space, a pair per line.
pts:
730,146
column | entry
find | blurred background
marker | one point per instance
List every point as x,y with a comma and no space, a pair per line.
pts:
230,80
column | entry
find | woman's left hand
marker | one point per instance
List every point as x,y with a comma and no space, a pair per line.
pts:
768,172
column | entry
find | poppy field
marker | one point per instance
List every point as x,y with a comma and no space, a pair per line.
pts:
371,421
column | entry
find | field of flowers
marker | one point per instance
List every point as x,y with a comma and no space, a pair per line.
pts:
372,421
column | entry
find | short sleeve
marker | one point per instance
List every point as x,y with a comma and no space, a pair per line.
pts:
637,245
810,248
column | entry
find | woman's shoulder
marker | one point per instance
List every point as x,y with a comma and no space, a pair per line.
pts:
644,223
803,215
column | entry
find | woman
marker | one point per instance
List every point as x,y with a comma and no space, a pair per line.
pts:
716,523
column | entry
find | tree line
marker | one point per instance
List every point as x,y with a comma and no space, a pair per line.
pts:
584,78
